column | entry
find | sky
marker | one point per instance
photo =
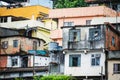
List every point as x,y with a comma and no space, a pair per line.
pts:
47,3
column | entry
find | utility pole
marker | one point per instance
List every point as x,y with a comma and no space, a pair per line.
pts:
34,63
34,48
101,73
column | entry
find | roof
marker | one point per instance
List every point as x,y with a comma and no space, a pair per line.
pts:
114,55
14,1
29,69
22,36
81,12
101,1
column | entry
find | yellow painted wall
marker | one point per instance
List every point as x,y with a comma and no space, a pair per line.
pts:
26,11
42,34
50,24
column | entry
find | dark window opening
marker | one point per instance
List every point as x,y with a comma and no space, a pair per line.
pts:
74,35
34,45
88,22
14,61
74,60
113,41
5,44
24,61
116,68
15,43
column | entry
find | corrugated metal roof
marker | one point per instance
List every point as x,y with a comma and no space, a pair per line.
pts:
102,20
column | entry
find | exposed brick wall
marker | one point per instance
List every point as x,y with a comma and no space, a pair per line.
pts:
3,62
24,44
109,35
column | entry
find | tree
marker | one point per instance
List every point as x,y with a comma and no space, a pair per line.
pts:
68,3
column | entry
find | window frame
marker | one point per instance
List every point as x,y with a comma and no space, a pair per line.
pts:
92,36
113,41
14,61
68,23
78,64
95,58
15,43
72,36
116,70
5,44
88,22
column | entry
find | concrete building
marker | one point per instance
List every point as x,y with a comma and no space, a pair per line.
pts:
76,16
114,65
22,57
56,65
85,49
114,4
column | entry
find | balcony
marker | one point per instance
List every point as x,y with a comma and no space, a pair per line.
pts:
78,45
54,61
28,69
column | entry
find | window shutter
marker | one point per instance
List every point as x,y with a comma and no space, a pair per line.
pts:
71,35
70,60
79,60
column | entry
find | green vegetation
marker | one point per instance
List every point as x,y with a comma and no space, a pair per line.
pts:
68,3
57,77
19,79
51,77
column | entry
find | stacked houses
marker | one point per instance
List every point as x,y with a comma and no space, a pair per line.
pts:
83,42
23,40
90,37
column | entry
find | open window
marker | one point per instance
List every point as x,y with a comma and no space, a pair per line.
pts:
74,35
74,60
5,44
94,34
14,61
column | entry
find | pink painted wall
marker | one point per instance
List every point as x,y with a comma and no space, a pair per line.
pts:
81,12
78,16
77,21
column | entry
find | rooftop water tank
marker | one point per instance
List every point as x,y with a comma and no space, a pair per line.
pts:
52,46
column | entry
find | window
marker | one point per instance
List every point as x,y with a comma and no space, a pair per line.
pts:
5,44
74,35
14,61
88,22
94,34
95,59
114,7
113,41
116,68
15,43
34,45
68,23
74,60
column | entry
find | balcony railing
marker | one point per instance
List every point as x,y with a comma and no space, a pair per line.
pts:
77,45
54,61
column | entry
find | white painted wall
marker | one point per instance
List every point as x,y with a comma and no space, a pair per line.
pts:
9,61
40,61
22,24
85,68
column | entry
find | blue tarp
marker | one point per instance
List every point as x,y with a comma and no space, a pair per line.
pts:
42,52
